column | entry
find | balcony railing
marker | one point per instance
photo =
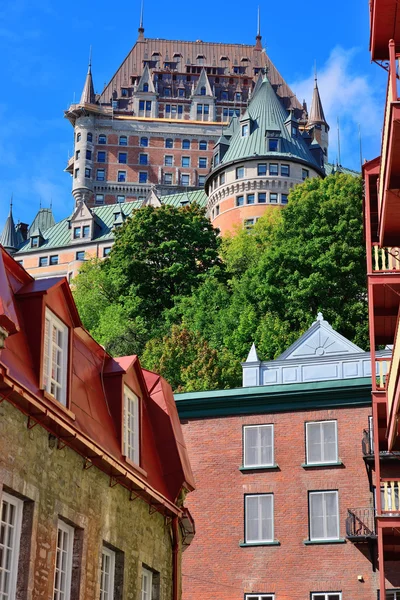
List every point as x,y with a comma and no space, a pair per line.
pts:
390,494
385,259
382,370
360,523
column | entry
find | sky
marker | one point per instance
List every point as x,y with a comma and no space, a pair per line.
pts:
45,48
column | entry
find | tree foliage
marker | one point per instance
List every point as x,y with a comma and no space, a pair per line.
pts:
191,304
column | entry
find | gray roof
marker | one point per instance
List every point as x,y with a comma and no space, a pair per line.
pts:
43,220
198,196
266,113
88,95
9,238
59,235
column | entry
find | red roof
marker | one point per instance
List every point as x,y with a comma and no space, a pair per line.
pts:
92,422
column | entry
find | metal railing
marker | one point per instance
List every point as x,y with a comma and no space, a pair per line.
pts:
360,523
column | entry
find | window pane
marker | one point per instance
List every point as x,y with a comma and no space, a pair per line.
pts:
266,448
250,446
316,516
331,506
265,509
329,442
314,449
251,518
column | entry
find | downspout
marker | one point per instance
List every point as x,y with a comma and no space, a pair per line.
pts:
175,559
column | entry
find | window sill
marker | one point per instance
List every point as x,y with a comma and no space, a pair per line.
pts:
135,466
318,542
58,404
250,544
273,467
322,465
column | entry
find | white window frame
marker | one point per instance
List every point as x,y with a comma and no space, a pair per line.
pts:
107,578
131,409
16,526
246,428
50,321
326,537
65,530
259,596
323,461
326,595
146,591
258,541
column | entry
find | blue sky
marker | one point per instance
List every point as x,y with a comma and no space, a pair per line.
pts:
45,47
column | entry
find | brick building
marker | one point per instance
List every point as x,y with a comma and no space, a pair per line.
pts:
283,506
382,233
93,467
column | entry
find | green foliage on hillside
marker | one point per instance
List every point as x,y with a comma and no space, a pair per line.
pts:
191,304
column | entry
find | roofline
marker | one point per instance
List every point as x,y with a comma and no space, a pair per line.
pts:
275,398
277,156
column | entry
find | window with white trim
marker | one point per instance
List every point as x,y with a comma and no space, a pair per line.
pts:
131,425
55,357
10,525
259,596
323,515
326,596
321,442
258,445
63,570
147,584
259,518
107,574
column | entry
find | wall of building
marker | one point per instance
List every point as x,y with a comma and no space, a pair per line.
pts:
215,566
54,485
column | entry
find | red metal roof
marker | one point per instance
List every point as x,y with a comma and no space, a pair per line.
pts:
92,424
385,25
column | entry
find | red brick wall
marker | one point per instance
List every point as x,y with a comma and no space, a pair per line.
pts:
214,566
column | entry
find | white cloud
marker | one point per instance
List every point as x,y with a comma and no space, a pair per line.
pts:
354,98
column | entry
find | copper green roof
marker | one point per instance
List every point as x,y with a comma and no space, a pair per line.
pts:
44,220
9,238
267,113
331,168
198,196
59,235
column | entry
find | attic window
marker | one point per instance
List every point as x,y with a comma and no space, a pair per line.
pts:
35,241
200,59
224,58
145,87
131,426
156,54
203,91
245,130
55,357
273,145
244,59
177,55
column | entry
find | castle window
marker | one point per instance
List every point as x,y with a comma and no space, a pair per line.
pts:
80,255
294,131
323,510
273,198
54,259
168,178
124,92
106,251
203,91
185,161
121,176
131,426
120,199
202,162
100,175
169,143
102,139
273,145
181,92
78,137
147,584
259,518
77,233
101,156
144,141
185,144
11,524
143,159
222,179
142,177
145,87
217,210
167,92
216,159
304,174
55,357
245,130
239,200
258,445
99,199
261,170
239,172
238,97
64,555
273,169
262,198
224,95
77,154
43,261
250,198
123,140
202,145
201,180
284,198
122,158
89,137
76,173
107,574
88,172
185,179
285,170
168,160
86,231
88,155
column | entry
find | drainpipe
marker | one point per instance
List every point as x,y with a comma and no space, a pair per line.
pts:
175,559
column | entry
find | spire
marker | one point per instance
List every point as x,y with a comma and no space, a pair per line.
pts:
258,45
141,28
9,238
88,95
316,115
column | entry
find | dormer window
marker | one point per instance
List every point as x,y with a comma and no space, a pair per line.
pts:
35,242
273,145
202,91
294,131
245,130
131,426
55,357
145,87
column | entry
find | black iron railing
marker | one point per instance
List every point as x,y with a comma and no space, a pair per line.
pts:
360,523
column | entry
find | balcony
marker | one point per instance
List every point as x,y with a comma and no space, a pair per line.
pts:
385,260
390,494
389,175
360,524
393,395
385,24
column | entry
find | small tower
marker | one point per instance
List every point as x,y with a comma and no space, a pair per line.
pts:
9,238
316,123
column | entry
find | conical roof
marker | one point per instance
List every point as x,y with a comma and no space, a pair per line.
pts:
266,113
88,95
316,115
9,237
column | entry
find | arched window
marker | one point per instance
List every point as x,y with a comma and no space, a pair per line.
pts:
145,87
78,137
89,137
144,141
102,139
186,144
202,145
203,91
169,143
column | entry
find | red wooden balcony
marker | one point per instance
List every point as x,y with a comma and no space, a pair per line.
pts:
385,25
389,175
